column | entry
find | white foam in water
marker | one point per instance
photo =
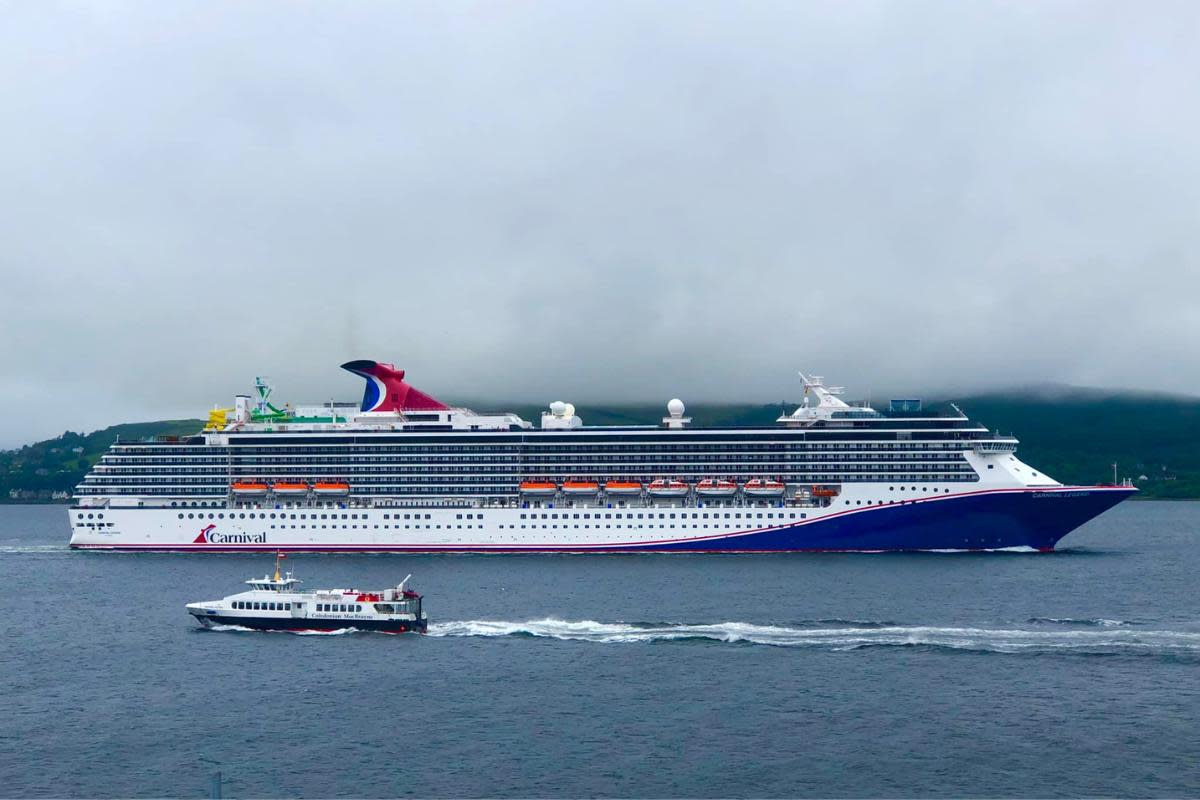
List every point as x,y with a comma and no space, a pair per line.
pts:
34,548
242,628
1001,640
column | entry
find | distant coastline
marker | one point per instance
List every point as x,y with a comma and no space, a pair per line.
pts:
1074,435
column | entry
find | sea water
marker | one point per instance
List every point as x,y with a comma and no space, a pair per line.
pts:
838,675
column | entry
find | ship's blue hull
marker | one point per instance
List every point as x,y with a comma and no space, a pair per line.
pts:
988,520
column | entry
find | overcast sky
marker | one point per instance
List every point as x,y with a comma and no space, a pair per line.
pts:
591,201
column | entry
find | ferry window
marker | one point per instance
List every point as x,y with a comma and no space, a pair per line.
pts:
358,608
258,606
181,515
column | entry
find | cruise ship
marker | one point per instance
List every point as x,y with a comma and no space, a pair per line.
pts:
404,472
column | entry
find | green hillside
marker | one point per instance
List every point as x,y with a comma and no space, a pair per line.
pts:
35,472
1071,434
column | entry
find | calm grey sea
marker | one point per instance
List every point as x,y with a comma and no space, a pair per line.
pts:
1064,674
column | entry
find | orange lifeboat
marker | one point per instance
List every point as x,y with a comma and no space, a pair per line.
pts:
331,488
249,488
668,488
824,491
623,487
539,488
716,487
764,487
580,487
286,488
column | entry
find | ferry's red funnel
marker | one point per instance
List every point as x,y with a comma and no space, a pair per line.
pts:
387,390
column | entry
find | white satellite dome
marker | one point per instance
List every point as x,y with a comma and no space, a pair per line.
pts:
558,408
675,408
569,410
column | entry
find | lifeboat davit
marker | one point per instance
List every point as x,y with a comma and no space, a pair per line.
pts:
580,487
714,487
668,488
623,487
764,487
539,488
331,488
289,489
249,488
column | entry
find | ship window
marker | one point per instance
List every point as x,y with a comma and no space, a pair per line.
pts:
358,608
256,607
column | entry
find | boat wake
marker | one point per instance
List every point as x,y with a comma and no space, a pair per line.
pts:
243,629
1103,641
21,549
1098,622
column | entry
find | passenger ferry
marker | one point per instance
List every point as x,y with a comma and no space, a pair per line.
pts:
276,604
404,472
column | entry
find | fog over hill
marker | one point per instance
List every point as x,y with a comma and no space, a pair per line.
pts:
600,201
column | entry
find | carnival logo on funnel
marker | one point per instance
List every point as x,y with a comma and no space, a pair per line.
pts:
209,535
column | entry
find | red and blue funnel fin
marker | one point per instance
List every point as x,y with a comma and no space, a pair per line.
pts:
387,390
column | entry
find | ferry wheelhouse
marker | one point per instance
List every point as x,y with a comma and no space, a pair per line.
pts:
403,472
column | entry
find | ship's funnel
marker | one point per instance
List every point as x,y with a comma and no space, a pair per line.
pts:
387,390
